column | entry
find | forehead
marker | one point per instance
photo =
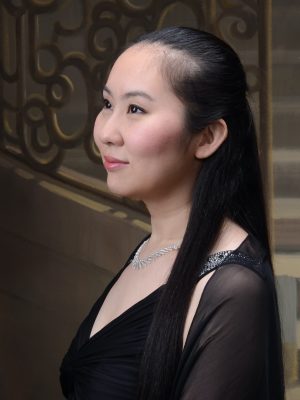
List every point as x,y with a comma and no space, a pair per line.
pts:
143,55
140,65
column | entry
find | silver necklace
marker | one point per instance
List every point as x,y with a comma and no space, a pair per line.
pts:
138,263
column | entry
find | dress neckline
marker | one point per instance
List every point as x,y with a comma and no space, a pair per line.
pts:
213,261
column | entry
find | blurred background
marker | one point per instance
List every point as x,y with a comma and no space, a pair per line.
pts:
62,234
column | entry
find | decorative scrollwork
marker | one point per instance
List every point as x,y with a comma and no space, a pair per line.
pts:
253,74
134,9
63,50
17,10
63,30
237,21
242,16
62,54
41,7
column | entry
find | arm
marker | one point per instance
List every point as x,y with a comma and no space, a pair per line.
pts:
229,357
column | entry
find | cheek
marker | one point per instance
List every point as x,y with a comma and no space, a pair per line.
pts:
96,131
155,139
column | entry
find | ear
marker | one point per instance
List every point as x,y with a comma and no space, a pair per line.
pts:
211,138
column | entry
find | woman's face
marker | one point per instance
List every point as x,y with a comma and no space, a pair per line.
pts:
140,132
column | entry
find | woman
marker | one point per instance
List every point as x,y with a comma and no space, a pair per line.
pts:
193,313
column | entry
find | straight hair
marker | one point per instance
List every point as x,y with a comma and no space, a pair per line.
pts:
207,75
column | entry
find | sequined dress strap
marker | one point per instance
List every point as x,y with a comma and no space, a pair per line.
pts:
221,258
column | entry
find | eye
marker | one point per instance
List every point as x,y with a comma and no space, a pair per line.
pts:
106,103
134,109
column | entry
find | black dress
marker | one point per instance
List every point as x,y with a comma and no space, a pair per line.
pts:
232,351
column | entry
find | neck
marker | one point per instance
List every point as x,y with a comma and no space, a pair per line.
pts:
168,223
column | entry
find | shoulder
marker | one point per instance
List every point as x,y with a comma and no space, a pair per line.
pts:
234,301
239,279
235,286
242,272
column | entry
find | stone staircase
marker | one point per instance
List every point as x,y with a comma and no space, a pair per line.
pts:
286,161
286,118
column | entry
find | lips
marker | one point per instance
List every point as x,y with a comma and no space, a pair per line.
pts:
111,163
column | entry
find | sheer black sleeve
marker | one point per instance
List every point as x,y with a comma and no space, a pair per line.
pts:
228,338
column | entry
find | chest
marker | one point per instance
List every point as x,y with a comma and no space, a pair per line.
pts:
130,289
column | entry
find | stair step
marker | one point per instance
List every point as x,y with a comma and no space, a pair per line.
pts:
285,126
286,156
287,224
286,173
286,208
286,14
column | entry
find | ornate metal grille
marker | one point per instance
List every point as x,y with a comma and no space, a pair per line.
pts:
54,57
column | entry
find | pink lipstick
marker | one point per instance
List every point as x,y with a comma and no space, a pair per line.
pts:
112,164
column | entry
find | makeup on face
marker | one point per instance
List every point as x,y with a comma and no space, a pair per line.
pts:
141,132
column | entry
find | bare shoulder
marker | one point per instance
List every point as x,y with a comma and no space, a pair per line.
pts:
197,294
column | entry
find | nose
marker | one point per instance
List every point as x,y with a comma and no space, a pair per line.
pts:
107,130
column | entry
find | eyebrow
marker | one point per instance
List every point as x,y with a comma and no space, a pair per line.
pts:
133,93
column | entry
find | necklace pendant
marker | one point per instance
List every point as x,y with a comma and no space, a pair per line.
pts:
139,263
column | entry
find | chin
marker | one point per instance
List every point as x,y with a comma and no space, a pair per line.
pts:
120,190
129,189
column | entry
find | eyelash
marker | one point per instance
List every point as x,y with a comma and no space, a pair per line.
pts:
106,103
131,107
138,109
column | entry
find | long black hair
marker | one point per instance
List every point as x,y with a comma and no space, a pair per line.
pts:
207,75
